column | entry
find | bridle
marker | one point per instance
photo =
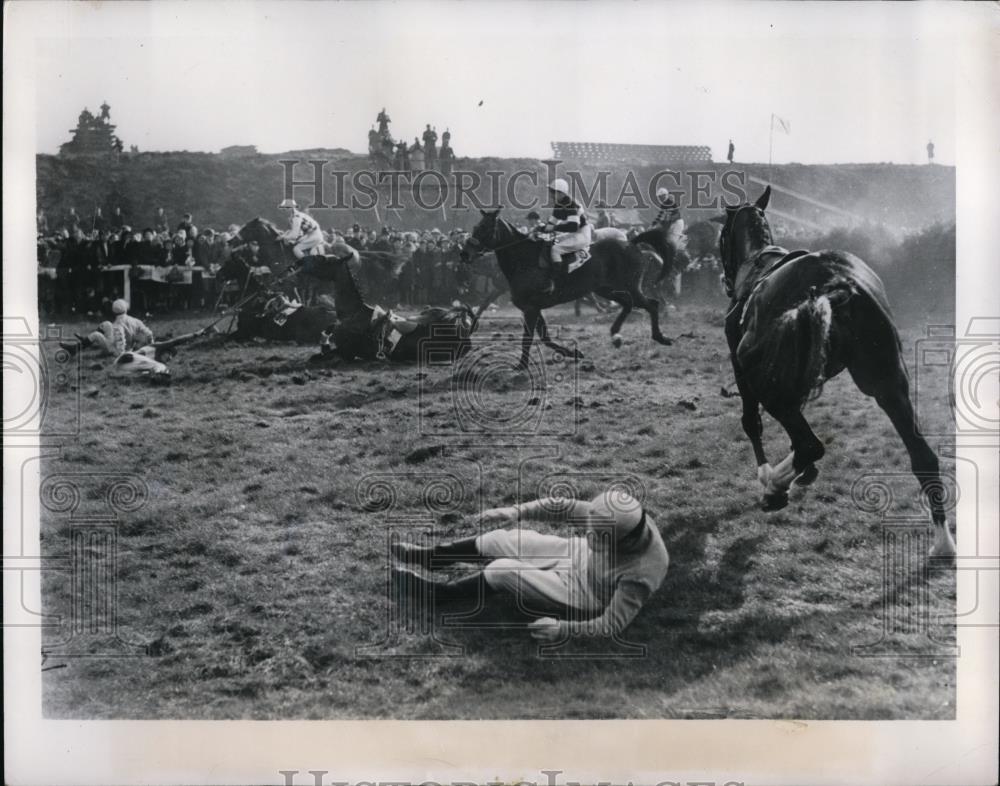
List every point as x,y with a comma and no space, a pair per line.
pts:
729,268
480,247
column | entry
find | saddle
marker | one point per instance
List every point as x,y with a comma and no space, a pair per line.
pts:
770,259
390,327
572,261
280,308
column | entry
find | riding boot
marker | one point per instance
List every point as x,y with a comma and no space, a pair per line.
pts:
462,588
440,554
560,274
82,342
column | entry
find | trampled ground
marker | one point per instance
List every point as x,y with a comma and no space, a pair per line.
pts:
256,571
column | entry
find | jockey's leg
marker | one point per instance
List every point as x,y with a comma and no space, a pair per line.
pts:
102,339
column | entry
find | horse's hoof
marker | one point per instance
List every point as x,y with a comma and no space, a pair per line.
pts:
616,339
808,476
773,502
663,340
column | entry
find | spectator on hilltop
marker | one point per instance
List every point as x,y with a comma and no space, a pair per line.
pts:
430,147
99,222
187,224
731,152
72,221
417,158
160,221
117,219
930,152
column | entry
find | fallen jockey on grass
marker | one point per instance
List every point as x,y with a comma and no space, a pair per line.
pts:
130,341
581,589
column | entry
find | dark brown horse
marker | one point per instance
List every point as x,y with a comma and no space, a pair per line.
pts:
366,332
798,319
615,271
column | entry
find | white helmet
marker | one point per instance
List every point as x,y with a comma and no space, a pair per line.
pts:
289,203
120,306
559,185
662,193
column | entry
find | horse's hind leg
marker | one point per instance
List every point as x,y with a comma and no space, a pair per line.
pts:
543,333
652,306
624,299
892,393
800,462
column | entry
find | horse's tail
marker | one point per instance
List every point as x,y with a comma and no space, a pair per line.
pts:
794,357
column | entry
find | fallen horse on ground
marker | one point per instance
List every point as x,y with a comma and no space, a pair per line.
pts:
364,332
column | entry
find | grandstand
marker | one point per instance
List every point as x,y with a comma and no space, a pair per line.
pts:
608,152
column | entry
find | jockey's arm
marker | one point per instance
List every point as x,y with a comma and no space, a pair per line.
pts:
553,509
626,601
294,232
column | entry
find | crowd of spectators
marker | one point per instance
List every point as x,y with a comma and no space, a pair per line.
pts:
74,257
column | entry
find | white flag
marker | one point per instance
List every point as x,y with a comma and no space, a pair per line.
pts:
783,125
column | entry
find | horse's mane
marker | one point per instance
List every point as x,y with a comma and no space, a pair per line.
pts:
759,230
511,228
266,223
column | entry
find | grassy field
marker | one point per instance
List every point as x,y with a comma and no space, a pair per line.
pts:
256,572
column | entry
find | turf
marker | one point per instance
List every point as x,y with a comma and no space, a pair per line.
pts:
253,581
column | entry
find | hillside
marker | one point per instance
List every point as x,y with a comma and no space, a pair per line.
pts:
222,189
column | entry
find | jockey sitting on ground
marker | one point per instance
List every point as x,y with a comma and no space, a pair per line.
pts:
304,231
126,334
590,589
569,223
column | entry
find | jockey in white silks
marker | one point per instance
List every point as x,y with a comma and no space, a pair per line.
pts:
304,231
568,221
129,341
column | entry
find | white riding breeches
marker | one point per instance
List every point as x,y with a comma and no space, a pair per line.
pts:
566,242
544,572
309,244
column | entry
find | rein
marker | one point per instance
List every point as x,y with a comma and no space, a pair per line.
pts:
481,248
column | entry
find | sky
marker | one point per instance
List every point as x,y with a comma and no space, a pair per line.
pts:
856,83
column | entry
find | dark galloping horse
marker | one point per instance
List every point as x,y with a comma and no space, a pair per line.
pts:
615,271
798,319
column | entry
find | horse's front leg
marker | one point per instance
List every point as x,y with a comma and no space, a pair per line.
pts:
753,427
625,300
531,317
800,461
543,334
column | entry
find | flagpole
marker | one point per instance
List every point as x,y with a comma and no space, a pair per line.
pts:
770,147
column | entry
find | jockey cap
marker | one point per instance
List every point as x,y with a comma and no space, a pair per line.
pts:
288,203
618,509
560,186
665,197
120,306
